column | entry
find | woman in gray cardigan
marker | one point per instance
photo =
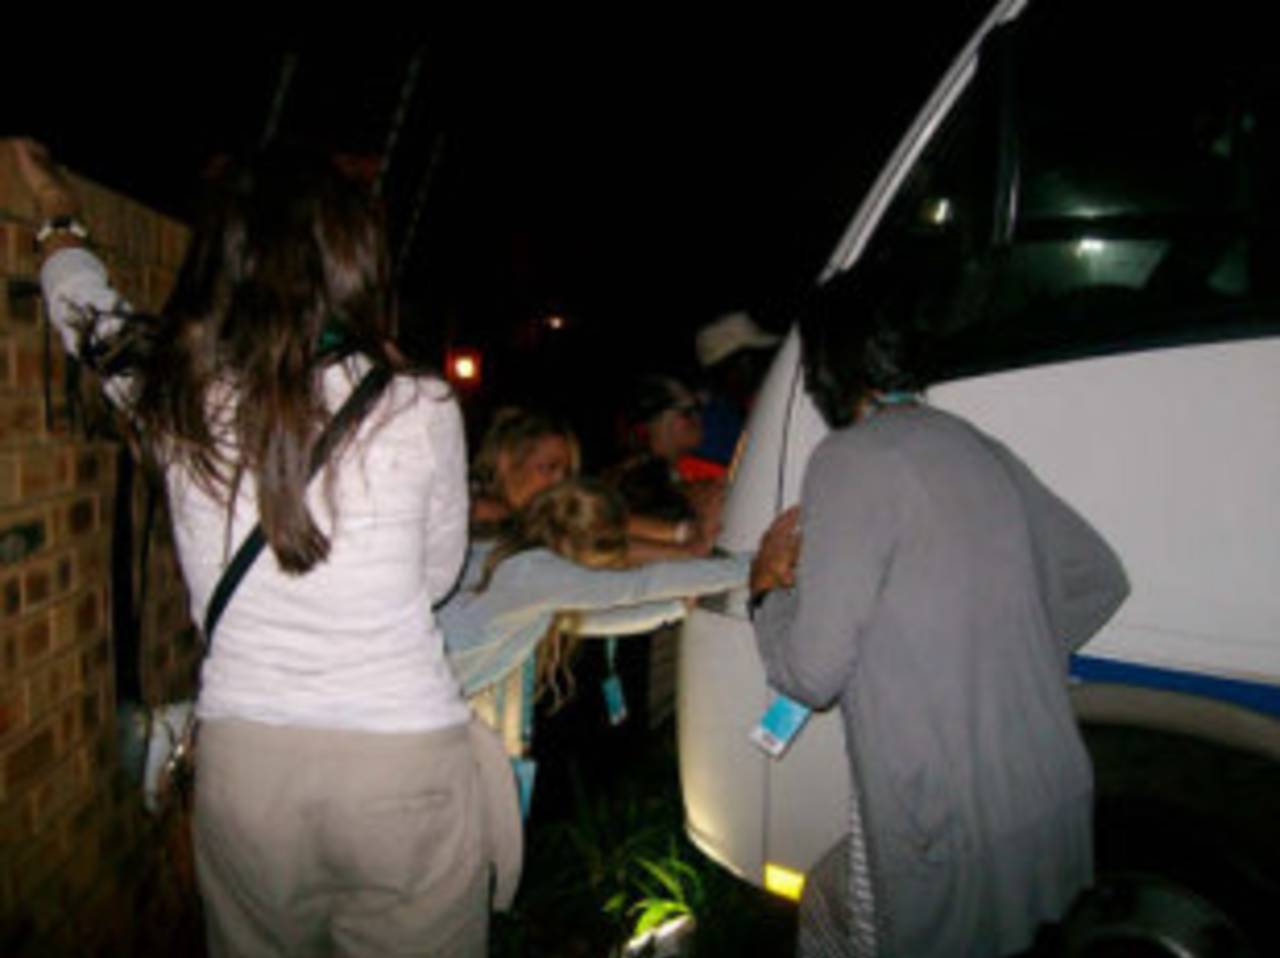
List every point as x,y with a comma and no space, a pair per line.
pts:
938,593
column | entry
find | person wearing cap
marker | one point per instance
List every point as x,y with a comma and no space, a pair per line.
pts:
734,352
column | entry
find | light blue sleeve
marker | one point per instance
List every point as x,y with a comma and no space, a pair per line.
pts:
547,581
488,633
631,619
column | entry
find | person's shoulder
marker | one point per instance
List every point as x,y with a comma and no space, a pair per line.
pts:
421,387
881,441
423,398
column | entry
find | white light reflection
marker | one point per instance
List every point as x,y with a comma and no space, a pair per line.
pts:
939,211
664,939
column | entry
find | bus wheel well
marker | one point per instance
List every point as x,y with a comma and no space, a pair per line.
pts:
1187,842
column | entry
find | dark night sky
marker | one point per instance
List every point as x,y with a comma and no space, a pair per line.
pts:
637,178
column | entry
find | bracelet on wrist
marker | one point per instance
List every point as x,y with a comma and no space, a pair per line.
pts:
61,226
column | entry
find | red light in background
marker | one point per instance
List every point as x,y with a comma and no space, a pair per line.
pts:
463,366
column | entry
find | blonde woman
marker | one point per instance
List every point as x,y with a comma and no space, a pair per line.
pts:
522,453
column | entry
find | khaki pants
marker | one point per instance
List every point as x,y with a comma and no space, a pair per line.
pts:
322,842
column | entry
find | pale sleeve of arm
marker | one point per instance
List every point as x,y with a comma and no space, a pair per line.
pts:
1081,578
631,619
570,587
446,530
809,636
80,298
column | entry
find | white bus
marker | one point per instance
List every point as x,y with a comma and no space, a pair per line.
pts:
1092,196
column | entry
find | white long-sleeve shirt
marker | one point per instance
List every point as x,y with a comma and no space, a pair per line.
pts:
352,643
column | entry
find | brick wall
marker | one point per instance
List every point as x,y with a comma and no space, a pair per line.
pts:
79,869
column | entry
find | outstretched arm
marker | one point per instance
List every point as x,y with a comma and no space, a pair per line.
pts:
631,619
543,580
87,312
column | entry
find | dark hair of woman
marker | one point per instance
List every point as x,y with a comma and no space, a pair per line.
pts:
287,256
859,336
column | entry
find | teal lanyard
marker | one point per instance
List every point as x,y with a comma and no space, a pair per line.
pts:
615,698
895,399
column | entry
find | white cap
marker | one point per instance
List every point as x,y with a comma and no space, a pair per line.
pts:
728,334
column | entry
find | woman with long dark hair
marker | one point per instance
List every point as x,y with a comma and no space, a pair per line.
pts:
337,806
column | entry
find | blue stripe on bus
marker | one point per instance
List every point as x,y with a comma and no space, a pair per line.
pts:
1258,696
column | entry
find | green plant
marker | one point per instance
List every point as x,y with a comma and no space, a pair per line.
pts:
672,889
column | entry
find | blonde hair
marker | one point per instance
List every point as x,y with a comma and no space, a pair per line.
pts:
514,432
584,521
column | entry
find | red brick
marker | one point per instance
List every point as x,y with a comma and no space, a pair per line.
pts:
173,243
13,710
90,712
15,823
28,760
15,198
21,418
52,683
37,473
58,790
70,724
8,370
58,421
27,365
37,585
8,475
93,660
63,619
83,868
92,561
100,752
36,638
19,303
17,250
11,597
83,820
127,282
8,656
64,574
89,467
88,615
82,516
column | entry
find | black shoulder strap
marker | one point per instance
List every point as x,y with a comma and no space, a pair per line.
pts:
351,412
